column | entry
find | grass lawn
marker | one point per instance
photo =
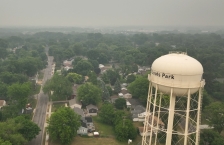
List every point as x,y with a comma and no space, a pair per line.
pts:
107,136
100,141
138,124
103,129
55,106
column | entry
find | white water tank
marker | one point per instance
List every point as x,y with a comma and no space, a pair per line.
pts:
176,70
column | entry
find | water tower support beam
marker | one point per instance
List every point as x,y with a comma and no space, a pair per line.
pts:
145,129
157,123
187,117
198,116
170,118
153,114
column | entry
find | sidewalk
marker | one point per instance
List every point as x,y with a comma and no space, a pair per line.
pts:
48,115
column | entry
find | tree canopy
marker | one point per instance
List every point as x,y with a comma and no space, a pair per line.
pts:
215,114
89,94
120,103
63,125
60,86
125,130
139,88
107,113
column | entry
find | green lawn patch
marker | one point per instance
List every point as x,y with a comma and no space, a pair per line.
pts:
55,106
104,129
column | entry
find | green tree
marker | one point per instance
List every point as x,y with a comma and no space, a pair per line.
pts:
118,116
20,93
102,58
60,86
117,86
78,48
9,111
107,113
139,88
110,90
105,78
75,78
63,125
211,137
215,115
89,94
112,75
125,130
29,129
120,103
105,92
83,67
2,142
92,77
10,132
131,78
3,91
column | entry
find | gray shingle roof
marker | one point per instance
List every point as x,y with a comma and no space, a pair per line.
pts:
91,106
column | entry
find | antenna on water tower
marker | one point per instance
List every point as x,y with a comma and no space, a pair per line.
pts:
174,101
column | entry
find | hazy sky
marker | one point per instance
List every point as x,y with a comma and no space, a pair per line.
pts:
111,13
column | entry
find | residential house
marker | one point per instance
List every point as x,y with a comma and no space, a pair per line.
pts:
83,130
128,104
135,113
124,85
156,121
141,131
2,103
89,123
79,111
113,98
75,103
133,102
68,68
125,93
68,62
92,110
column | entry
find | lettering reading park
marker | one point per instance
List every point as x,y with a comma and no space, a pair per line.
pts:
163,75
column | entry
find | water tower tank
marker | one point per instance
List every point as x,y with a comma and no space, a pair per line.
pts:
176,70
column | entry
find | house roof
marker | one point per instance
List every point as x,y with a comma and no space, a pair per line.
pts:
156,120
90,106
134,102
79,111
2,102
83,124
87,119
141,129
114,96
139,107
137,110
124,91
72,102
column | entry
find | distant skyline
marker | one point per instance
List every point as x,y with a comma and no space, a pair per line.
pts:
98,13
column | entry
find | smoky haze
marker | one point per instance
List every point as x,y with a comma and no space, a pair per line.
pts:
111,13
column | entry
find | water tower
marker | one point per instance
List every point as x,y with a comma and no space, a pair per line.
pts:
174,101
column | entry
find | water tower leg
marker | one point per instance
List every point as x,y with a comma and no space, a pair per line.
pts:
187,118
145,130
170,118
153,115
198,117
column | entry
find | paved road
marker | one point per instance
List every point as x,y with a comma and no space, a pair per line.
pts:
40,113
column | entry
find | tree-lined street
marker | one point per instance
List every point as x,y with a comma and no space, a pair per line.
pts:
42,100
